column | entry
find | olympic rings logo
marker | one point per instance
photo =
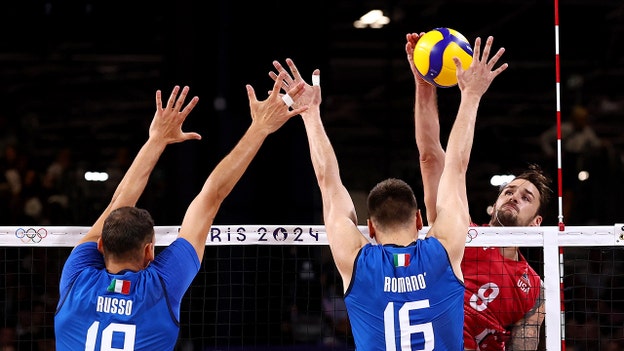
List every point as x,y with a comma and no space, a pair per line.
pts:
471,235
31,235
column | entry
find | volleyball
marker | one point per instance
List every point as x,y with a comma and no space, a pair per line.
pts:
434,52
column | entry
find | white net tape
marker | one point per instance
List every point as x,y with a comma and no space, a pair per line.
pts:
241,234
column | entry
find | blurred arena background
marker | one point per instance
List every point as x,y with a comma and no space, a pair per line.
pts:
82,75
78,82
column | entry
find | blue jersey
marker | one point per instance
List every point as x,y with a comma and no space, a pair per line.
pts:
126,311
405,299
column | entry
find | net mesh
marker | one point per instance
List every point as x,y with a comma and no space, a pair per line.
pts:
276,287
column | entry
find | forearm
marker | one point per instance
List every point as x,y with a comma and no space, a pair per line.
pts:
525,338
337,202
461,137
135,180
431,153
452,187
322,153
525,334
229,171
426,119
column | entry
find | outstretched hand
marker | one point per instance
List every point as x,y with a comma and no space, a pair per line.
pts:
478,77
412,39
273,112
311,95
167,123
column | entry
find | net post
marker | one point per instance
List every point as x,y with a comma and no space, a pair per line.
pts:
553,291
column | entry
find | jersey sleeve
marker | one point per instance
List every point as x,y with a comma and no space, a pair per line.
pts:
83,255
177,265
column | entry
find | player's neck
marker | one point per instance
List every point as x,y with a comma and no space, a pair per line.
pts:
117,267
396,238
510,253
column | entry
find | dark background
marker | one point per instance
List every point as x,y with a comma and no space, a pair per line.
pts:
82,75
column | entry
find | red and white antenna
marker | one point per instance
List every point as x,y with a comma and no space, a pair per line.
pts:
559,173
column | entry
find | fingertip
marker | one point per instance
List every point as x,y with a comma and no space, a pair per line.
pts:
250,90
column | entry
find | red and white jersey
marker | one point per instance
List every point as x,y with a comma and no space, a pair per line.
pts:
499,292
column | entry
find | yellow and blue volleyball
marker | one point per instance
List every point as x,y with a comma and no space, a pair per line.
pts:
434,52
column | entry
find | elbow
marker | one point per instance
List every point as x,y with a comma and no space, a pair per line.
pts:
324,178
432,156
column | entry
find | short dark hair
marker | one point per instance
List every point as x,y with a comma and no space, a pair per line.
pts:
391,202
126,230
534,174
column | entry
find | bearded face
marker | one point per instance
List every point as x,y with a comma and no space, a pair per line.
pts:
507,215
517,205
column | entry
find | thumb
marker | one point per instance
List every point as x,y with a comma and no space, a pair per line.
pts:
192,135
316,77
251,94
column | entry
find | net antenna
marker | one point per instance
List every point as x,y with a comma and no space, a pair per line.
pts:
550,245
558,92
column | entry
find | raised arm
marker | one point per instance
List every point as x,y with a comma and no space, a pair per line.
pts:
343,235
453,216
427,132
267,117
165,128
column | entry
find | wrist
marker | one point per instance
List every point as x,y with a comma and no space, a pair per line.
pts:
312,110
156,142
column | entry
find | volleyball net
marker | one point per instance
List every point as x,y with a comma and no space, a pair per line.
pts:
271,287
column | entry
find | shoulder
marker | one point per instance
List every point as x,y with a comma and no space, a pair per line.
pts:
85,251
179,253
370,249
